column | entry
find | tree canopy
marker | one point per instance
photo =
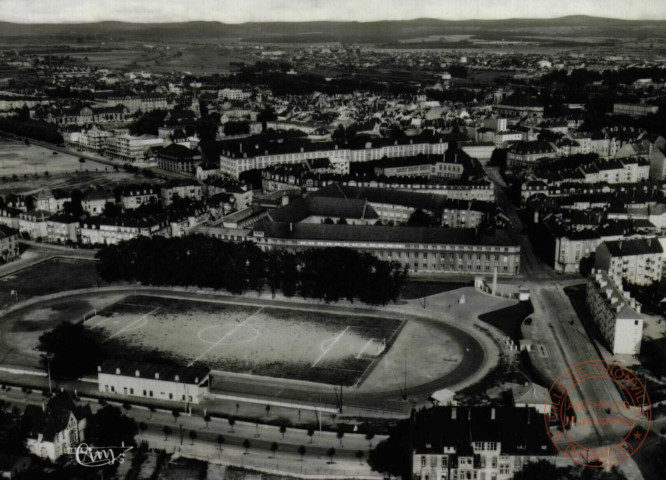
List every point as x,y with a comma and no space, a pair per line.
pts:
329,274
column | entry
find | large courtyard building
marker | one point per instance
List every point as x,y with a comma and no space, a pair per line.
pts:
478,443
638,261
422,249
615,313
258,152
634,109
154,381
9,244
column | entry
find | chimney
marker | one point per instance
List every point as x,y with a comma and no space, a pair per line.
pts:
492,413
291,227
454,413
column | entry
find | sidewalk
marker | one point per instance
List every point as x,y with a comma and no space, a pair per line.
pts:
280,463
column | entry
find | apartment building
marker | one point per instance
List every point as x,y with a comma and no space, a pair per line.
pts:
180,189
615,313
634,109
52,201
134,103
110,231
529,155
94,201
133,196
131,148
127,379
9,244
637,261
33,224
178,158
62,229
478,443
257,152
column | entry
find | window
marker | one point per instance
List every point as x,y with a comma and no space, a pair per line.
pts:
131,391
423,461
151,393
144,393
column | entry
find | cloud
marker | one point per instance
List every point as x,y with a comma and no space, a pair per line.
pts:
238,11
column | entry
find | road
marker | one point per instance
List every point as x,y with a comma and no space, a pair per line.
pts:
557,327
260,436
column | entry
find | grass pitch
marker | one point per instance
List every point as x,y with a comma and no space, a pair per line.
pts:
286,343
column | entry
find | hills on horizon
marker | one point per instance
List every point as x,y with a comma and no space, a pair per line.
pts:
382,30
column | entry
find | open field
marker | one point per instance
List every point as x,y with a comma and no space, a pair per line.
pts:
284,343
18,159
50,276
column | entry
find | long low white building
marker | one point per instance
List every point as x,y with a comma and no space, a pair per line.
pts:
153,381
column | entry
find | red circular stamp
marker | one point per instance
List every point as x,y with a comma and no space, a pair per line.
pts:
598,413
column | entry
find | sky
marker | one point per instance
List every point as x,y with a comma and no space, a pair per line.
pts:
239,11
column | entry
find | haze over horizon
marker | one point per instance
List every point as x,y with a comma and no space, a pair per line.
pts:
242,11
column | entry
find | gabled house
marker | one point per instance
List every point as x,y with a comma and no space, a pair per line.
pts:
56,426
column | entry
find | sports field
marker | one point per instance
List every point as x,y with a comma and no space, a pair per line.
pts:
287,343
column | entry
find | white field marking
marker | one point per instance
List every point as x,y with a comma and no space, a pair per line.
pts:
230,332
257,334
363,349
326,350
134,322
137,305
101,321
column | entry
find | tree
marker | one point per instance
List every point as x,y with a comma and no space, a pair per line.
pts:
268,409
167,431
301,451
330,453
274,448
419,218
232,422
283,430
267,114
207,418
176,413
369,436
142,428
12,429
340,434
152,410
236,128
246,445
392,455
311,433
342,221
193,437
329,221
220,441
127,406
73,348
360,454
109,426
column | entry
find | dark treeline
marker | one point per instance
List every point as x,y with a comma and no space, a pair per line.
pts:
328,274
35,129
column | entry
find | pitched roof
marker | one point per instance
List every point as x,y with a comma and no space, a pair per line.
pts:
638,246
520,431
54,418
376,233
7,231
171,373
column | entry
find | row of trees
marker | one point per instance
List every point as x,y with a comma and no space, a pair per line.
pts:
35,129
329,274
